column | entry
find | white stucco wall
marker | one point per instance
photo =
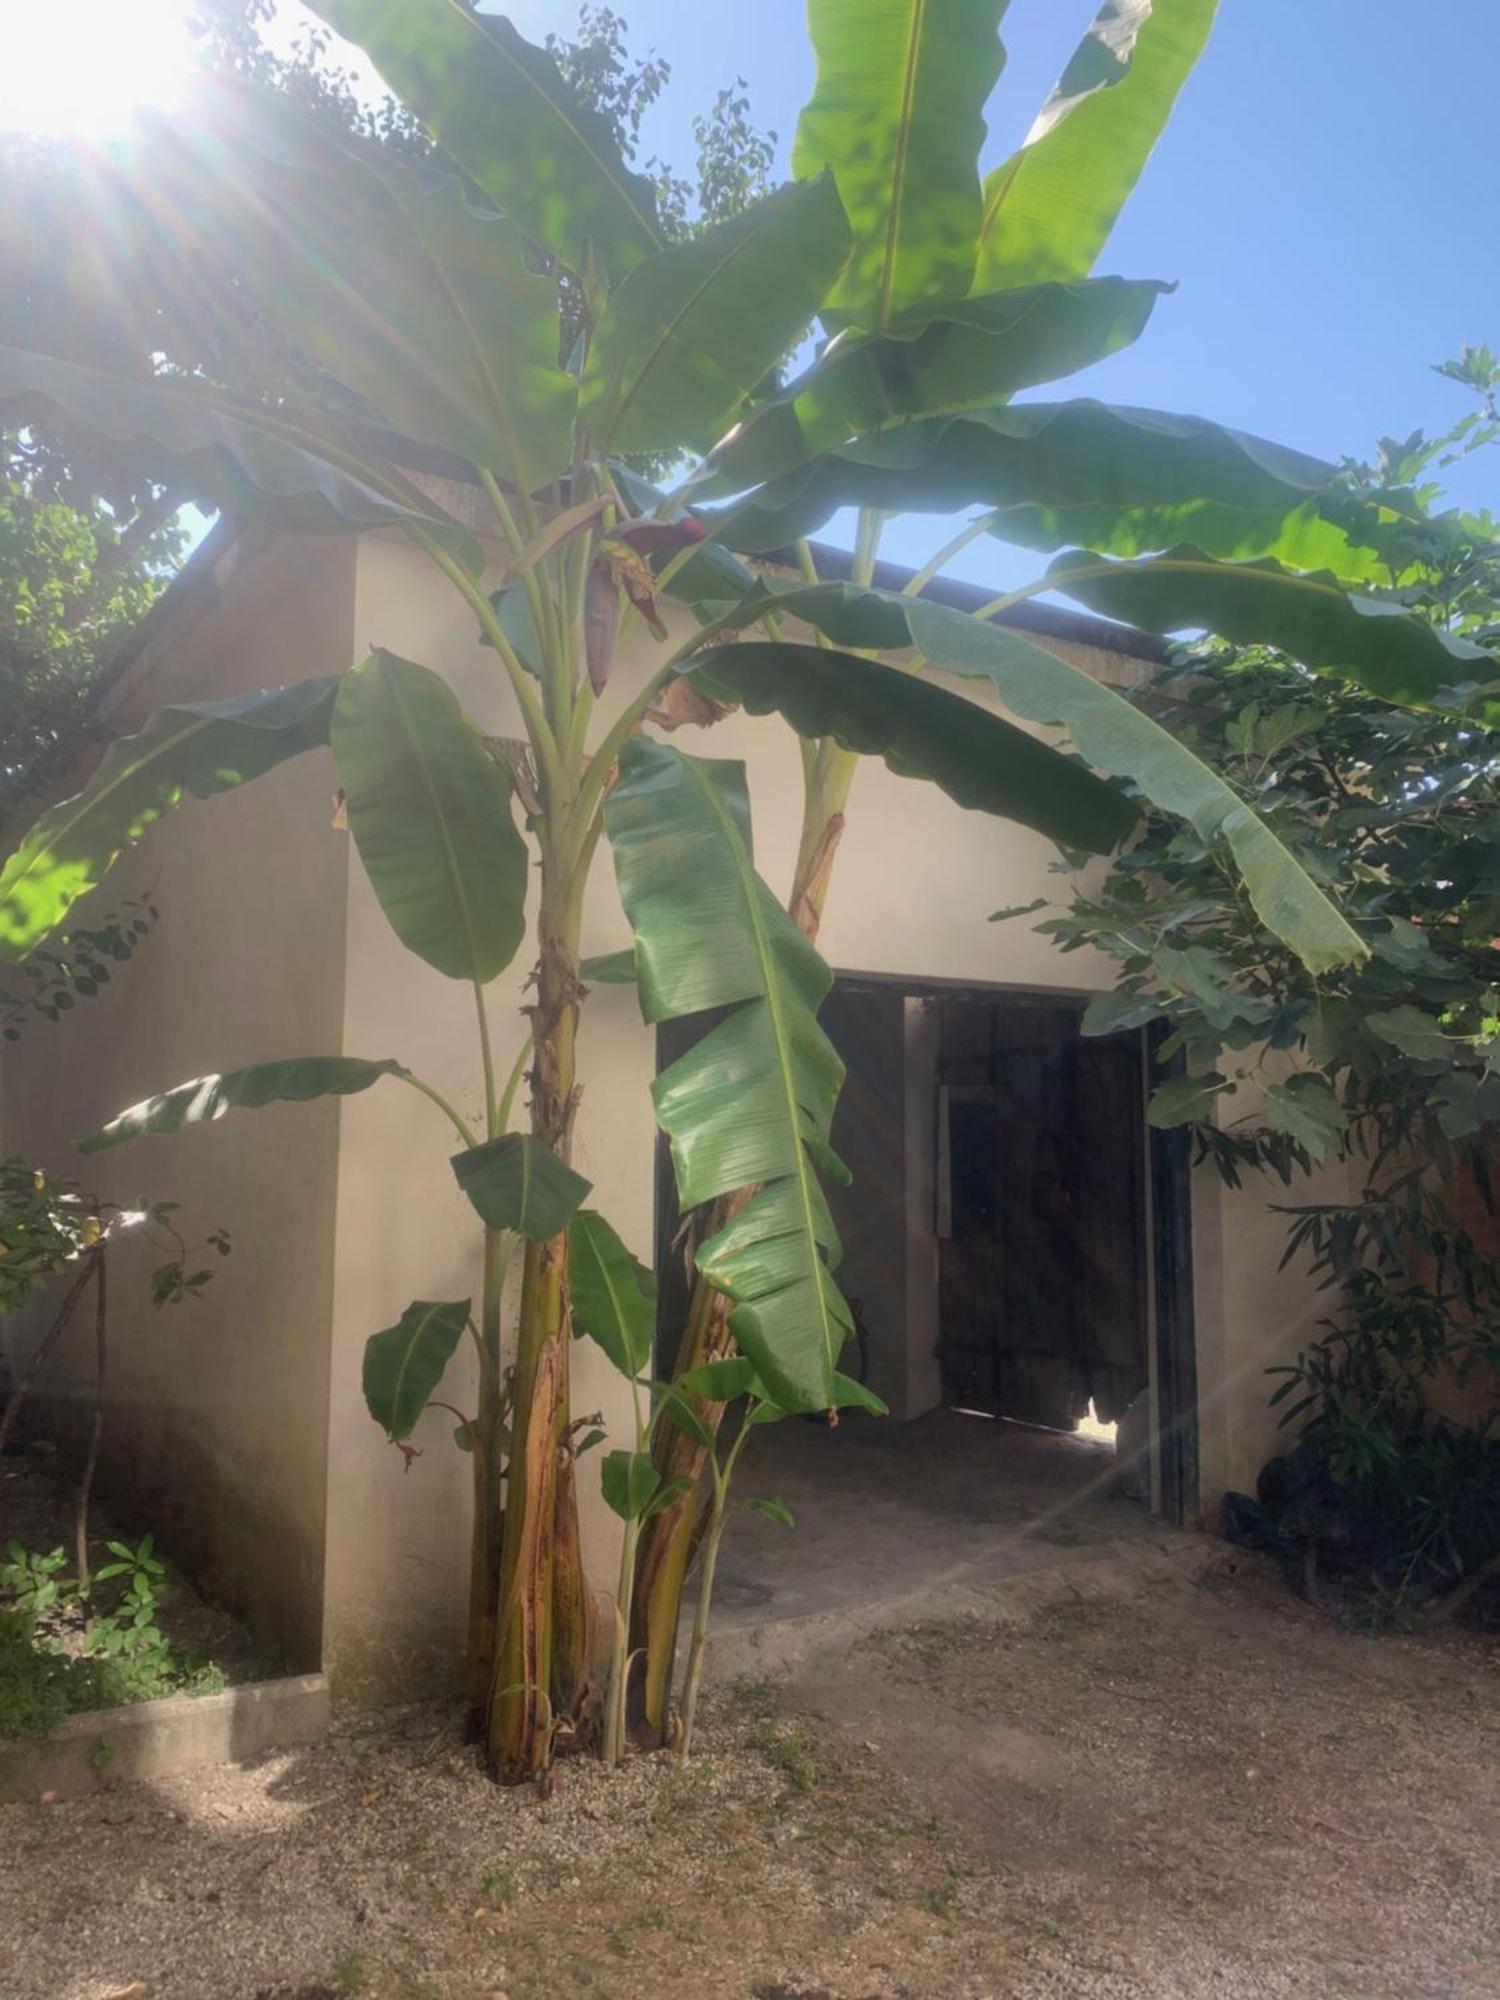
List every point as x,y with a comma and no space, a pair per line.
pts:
217,1409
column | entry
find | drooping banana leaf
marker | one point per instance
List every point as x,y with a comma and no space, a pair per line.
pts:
237,460
404,1365
204,1098
750,1106
501,109
1132,479
381,272
516,1182
1321,534
922,731
430,812
1121,739
1049,209
692,331
960,356
190,749
898,114
1369,640
612,1293
1109,732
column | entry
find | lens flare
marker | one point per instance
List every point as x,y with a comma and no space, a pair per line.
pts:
84,68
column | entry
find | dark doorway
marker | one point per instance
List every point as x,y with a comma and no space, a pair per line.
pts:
1041,1213
1000,1237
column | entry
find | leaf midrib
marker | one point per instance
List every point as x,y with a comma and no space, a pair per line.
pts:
558,111
91,801
669,332
460,894
771,981
616,1293
902,160
405,1362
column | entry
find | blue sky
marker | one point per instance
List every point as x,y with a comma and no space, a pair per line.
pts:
1324,197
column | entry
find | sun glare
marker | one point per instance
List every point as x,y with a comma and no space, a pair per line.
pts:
84,68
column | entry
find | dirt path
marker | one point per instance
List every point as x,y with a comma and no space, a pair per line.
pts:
1113,1784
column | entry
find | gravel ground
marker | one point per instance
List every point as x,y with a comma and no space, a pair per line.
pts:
1135,1789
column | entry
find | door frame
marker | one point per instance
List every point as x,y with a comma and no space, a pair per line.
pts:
1171,1328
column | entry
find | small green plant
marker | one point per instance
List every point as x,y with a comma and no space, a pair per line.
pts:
34,1583
126,1656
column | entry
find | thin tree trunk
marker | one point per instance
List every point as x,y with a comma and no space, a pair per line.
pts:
90,1464
670,1539
539,1665
489,1496
95,1435
44,1347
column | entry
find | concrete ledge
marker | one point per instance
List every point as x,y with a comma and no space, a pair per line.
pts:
160,1739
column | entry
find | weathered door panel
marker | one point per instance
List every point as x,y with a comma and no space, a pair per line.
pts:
1041,1255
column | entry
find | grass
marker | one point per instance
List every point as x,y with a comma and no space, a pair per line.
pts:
499,1890
788,1748
349,1975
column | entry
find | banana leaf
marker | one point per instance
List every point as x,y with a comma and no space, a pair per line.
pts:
921,730
190,749
751,1104
430,812
931,360
516,1182
613,1295
240,460
693,330
204,1098
1126,480
898,115
404,1365
1369,640
383,273
1111,733
502,110
1049,209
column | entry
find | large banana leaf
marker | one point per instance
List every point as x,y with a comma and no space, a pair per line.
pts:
1328,533
404,1364
383,273
204,1098
898,114
1368,640
503,112
691,332
1117,737
922,731
189,749
613,1295
430,811
233,459
961,356
1110,732
1132,475
1049,208
751,1104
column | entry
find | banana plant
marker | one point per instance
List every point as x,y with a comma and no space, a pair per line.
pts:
515,314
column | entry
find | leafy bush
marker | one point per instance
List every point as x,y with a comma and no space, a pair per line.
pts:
1391,1065
127,1657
